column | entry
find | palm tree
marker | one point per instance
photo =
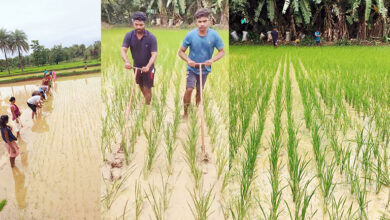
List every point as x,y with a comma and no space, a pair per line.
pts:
6,45
20,44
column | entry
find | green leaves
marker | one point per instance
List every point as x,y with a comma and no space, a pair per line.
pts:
367,9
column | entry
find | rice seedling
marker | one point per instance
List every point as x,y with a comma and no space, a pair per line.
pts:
190,148
169,143
337,210
152,137
113,190
345,109
159,198
139,201
201,203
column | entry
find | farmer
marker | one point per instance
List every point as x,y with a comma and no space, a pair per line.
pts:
274,34
54,75
9,139
41,92
201,42
317,37
143,46
33,103
15,115
46,84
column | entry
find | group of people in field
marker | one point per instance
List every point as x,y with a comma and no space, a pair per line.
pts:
275,34
34,102
201,42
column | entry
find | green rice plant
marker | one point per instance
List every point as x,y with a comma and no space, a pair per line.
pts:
169,143
201,203
361,194
302,203
160,199
156,203
221,161
139,201
2,204
242,205
319,156
190,148
114,189
338,211
176,115
327,185
276,194
152,137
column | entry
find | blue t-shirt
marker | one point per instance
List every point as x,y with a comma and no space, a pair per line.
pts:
202,48
317,35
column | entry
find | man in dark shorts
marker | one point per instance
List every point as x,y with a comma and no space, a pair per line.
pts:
143,47
34,102
274,34
201,42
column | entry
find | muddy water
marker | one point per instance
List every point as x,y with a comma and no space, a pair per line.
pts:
57,172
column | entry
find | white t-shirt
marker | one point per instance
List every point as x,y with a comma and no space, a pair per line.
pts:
34,100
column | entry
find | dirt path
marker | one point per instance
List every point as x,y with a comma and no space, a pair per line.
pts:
56,174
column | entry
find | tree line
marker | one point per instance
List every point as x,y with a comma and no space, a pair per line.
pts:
16,42
335,19
180,11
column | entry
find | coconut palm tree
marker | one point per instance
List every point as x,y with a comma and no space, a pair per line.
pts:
6,45
20,44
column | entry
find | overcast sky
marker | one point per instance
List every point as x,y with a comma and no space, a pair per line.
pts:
53,22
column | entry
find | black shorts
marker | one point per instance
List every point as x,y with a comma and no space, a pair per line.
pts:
145,79
33,107
275,42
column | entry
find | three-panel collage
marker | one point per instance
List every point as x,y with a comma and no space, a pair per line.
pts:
195,109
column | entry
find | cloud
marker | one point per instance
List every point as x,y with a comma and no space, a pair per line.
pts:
53,22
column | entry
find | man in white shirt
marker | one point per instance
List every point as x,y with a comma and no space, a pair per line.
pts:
34,102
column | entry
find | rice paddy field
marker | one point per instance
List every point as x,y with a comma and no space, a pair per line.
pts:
160,175
56,174
309,132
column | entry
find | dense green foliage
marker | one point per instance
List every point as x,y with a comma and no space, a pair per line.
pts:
335,19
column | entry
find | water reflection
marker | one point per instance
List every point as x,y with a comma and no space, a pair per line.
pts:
23,151
20,188
40,125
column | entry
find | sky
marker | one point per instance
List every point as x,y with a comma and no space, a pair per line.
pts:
53,22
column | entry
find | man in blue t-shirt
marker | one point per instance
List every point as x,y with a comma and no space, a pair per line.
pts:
317,37
143,47
201,42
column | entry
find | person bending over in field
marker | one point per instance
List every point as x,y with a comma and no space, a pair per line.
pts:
34,103
201,41
46,84
15,115
41,92
9,139
143,47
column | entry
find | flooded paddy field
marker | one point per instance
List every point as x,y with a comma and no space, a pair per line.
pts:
56,174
